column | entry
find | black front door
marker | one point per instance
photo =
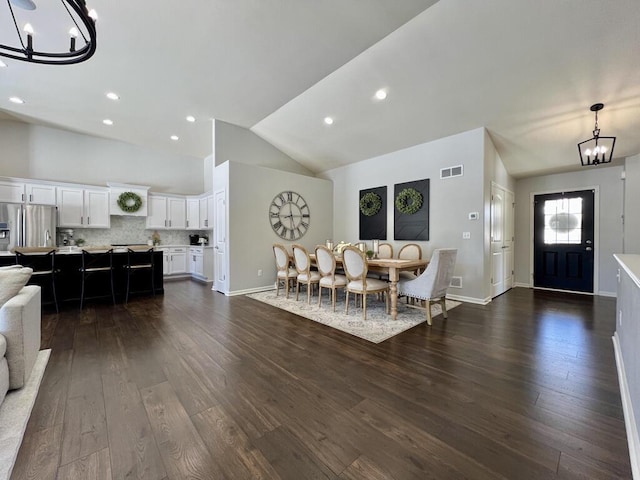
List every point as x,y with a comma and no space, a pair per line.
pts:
563,241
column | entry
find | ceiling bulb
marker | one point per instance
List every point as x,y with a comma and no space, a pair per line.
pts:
84,31
107,121
175,138
113,96
191,118
594,151
381,94
24,4
2,64
328,120
17,100
93,14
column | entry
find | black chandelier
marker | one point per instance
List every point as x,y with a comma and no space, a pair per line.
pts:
596,150
82,25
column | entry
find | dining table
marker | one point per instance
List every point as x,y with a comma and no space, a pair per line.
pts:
391,267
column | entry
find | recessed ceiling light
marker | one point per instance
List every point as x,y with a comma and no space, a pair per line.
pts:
175,138
191,118
113,96
328,120
381,94
2,64
107,121
16,100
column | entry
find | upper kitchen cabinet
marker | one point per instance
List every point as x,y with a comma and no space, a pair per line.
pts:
206,212
83,207
167,212
193,213
19,192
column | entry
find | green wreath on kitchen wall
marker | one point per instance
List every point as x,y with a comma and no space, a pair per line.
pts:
129,202
370,204
409,201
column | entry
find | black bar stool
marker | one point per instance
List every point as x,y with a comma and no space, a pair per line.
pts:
139,261
97,264
43,262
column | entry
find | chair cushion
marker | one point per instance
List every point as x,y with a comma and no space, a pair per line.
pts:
373,285
339,281
313,277
12,279
291,274
3,345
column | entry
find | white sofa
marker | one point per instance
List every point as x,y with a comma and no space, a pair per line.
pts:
20,318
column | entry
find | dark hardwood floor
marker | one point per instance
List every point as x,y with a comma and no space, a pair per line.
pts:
197,385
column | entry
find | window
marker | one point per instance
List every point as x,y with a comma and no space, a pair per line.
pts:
563,221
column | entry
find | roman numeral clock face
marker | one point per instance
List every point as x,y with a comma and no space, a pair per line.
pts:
289,215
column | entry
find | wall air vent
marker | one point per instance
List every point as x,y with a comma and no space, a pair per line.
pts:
451,172
456,282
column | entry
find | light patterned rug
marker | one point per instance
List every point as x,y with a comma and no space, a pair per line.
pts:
15,412
376,328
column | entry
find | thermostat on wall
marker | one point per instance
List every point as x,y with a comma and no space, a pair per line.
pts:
473,215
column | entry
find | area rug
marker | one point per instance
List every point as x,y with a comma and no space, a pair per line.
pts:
15,412
378,326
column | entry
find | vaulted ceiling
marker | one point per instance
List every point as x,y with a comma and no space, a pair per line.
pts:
528,71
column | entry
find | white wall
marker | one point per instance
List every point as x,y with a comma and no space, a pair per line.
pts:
631,203
250,191
44,153
610,225
241,145
451,200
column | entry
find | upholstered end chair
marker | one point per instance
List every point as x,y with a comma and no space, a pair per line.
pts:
20,319
431,286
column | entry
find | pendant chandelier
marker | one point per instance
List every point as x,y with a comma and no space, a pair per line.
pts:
82,29
596,150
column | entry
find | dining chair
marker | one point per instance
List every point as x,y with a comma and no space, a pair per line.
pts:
285,272
42,260
140,261
305,274
431,286
96,262
385,250
410,251
355,266
326,263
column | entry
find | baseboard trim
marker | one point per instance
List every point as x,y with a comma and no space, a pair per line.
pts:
462,298
627,407
608,294
250,290
522,285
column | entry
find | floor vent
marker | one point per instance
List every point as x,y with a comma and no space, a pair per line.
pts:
451,172
456,282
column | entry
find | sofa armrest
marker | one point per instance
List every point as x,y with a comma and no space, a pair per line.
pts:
20,321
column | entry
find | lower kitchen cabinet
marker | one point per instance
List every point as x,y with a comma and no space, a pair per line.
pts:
201,263
174,260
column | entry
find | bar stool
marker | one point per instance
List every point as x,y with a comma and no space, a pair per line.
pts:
139,261
96,263
43,263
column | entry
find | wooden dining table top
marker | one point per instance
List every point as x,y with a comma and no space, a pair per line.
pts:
399,263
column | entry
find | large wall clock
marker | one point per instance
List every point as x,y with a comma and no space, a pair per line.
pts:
289,215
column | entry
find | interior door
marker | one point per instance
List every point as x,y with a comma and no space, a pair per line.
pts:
563,246
502,233
219,244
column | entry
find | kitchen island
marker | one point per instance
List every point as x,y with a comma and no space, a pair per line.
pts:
69,279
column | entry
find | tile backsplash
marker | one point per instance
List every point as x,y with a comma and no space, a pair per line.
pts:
129,230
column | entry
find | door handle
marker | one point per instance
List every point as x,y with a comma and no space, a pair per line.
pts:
588,249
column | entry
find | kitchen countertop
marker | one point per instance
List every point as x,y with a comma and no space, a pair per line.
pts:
116,249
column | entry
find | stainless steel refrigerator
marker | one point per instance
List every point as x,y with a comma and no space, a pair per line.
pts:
27,225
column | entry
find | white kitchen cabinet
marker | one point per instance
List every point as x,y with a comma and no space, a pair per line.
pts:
80,207
167,212
174,260
193,214
11,192
201,263
40,194
206,212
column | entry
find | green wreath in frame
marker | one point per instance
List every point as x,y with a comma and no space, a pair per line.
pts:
129,202
370,204
409,201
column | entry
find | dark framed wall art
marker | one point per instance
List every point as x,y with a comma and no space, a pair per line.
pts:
411,210
373,213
